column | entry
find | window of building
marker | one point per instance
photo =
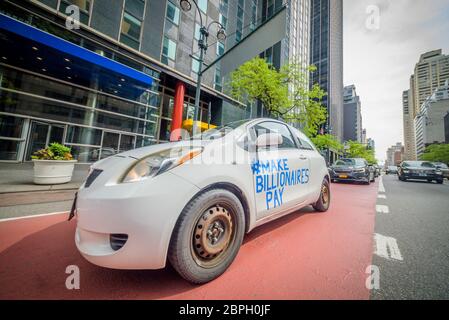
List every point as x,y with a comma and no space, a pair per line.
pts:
217,80
168,50
195,65
131,29
83,5
197,31
240,13
135,7
172,13
202,4
223,20
220,48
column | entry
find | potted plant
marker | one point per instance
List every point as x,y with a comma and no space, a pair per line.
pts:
53,165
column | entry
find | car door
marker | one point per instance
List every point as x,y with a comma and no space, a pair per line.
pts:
281,174
315,163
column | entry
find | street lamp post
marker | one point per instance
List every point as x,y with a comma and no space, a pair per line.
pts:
186,5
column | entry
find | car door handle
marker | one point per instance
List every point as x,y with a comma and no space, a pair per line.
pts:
301,157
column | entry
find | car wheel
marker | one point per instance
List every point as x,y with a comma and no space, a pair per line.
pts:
440,181
323,203
207,236
429,180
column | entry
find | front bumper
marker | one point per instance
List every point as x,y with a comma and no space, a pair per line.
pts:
416,176
146,212
350,176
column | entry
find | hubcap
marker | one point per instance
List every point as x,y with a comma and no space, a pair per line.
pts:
212,233
325,194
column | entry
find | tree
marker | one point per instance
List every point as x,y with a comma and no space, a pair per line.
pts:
436,153
285,94
358,150
327,141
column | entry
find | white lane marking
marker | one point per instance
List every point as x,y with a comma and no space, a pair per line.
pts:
33,216
381,196
382,209
381,185
387,247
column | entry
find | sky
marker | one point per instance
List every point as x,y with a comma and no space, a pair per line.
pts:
379,58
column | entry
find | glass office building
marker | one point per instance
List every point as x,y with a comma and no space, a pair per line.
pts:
107,87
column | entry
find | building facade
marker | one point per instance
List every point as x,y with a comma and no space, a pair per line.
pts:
430,122
395,155
409,125
123,78
431,72
326,53
352,123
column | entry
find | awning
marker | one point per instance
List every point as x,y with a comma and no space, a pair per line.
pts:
34,34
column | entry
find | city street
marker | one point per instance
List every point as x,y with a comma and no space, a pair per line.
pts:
305,255
418,219
318,256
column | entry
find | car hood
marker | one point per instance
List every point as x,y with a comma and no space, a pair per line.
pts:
348,167
418,168
141,153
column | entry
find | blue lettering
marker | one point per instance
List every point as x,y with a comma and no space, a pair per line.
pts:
269,198
259,184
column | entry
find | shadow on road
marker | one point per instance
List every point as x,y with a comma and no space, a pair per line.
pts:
34,268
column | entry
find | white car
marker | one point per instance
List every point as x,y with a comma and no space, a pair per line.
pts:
191,202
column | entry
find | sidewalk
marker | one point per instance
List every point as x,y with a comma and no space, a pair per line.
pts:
18,177
19,196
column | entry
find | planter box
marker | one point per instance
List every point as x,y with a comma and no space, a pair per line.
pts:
53,171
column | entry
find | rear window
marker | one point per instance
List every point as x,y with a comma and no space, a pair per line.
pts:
418,164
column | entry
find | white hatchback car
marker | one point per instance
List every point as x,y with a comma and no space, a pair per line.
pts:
193,201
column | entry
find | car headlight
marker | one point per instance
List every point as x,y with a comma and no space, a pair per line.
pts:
160,162
406,171
360,170
439,172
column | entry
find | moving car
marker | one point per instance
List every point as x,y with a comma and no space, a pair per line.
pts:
391,170
378,171
355,170
191,202
444,168
420,170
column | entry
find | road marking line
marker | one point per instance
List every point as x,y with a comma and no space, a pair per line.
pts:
381,185
387,247
382,209
33,216
381,196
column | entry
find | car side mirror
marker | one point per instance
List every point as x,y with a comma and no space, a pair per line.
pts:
269,140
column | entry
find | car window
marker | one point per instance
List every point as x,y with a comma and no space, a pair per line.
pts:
276,127
345,162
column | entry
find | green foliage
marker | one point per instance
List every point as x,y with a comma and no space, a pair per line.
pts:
327,141
358,150
55,151
436,153
285,94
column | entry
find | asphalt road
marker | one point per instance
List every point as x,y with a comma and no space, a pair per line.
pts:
306,255
418,219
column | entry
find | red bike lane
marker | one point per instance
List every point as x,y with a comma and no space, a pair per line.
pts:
305,255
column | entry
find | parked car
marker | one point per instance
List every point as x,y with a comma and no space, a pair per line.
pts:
391,170
191,202
420,170
355,170
444,168
378,171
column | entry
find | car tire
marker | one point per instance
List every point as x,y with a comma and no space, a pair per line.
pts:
323,203
440,181
192,252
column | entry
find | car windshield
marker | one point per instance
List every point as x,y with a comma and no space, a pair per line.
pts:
219,132
418,164
441,165
345,162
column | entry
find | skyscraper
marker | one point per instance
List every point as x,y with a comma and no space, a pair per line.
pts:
326,47
352,109
430,73
409,127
